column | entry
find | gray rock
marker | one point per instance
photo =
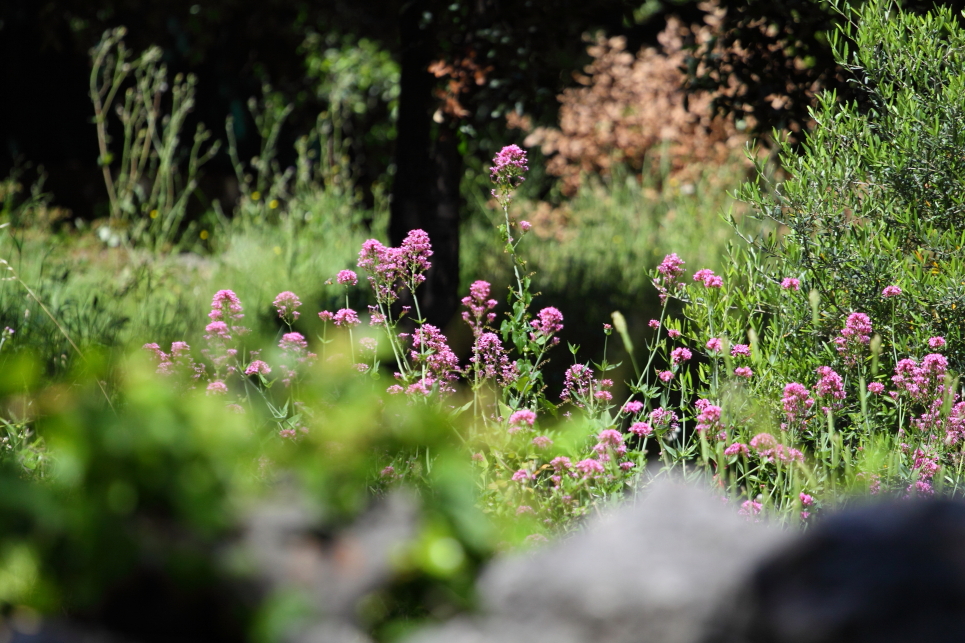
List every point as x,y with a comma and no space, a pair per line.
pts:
655,570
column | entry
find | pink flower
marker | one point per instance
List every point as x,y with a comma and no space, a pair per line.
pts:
346,317
525,226
431,348
891,291
671,267
521,417
740,350
542,442
680,355
560,463
347,277
388,472
707,276
325,315
830,386
286,303
610,437
673,333
633,407
395,389
258,366
806,500
577,383
743,371
225,305
508,167
521,476
750,508
550,321
877,388
935,343
654,323
525,509
490,360
709,415
790,283
479,307
665,376
641,429
589,467
763,442
714,344
737,448
855,334
293,342
217,387
662,419
797,404
668,275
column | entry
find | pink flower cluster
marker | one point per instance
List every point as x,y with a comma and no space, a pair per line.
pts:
347,278
830,387
797,403
891,291
790,283
668,276
549,322
178,360
286,303
708,418
387,267
431,349
522,419
479,305
770,450
577,384
709,279
854,336
507,171
490,360
923,382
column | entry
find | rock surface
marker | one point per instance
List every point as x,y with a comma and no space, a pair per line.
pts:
653,571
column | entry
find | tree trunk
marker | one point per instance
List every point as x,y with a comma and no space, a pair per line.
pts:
428,169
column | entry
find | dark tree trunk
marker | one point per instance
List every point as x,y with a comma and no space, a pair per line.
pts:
428,168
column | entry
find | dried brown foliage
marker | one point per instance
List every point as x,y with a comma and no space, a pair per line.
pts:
628,106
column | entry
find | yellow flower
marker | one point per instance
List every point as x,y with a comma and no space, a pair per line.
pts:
273,204
154,214
255,195
204,234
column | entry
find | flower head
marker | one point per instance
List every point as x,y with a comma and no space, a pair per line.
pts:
550,322
891,291
790,283
258,366
346,317
286,304
714,344
507,171
217,387
347,277
935,343
680,355
709,279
